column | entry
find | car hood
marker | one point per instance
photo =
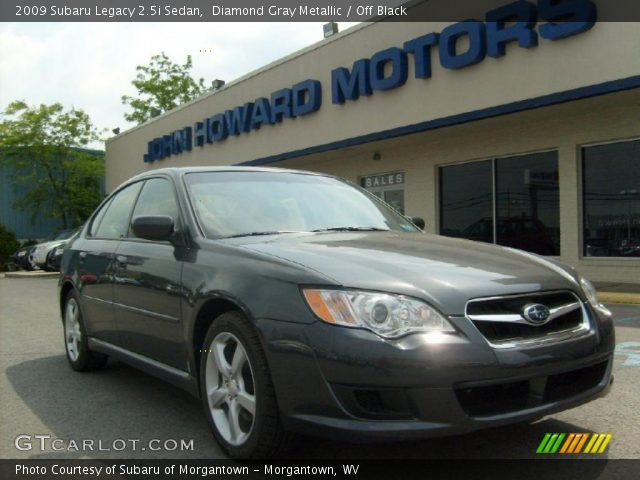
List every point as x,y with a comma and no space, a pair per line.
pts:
51,244
447,272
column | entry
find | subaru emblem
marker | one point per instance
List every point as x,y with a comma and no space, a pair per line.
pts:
536,313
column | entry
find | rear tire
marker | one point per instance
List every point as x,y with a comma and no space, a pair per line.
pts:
237,391
79,356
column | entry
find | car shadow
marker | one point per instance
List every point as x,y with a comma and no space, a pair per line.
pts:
120,402
117,402
517,441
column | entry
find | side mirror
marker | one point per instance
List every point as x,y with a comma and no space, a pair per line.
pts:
153,227
418,222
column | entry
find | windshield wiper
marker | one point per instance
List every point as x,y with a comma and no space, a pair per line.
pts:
351,229
256,234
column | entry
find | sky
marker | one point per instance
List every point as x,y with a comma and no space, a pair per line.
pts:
91,65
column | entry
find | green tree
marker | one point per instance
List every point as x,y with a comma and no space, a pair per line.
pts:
44,148
8,245
162,85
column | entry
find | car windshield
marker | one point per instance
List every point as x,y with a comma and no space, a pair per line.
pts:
232,204
57,236
64,234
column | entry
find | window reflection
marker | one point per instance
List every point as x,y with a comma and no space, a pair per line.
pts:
611,199
526,202
466,201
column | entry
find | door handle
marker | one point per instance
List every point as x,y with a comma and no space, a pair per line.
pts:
121,260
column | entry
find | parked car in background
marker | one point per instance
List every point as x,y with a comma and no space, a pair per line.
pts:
23,258
54,257
42,250
597,247
627,247
523,233
297,301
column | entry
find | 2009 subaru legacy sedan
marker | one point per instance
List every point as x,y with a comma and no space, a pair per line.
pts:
297,302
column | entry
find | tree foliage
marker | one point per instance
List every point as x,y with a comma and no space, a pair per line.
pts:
44,148
8,245
162,85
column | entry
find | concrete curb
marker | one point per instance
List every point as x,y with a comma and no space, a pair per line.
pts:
31,274
619,297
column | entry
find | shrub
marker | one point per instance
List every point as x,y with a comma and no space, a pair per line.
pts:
8,245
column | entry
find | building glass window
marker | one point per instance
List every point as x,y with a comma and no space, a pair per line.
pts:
510,201
528,203
387,186
466,201
611,200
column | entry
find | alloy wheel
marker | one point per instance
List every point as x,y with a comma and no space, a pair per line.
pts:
230,388
72,332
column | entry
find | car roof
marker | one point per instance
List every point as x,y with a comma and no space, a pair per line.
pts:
179,171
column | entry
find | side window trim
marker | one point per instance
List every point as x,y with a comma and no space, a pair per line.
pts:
102,210
110,201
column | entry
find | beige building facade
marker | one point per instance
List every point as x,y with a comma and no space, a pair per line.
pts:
534,147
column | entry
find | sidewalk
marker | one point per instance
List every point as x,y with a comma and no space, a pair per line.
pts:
609,292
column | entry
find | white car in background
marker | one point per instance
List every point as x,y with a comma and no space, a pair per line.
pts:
39,254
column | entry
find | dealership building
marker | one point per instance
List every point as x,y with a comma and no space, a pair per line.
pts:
520,134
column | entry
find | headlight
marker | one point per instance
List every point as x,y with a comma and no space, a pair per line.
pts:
589,291
387,315
592,295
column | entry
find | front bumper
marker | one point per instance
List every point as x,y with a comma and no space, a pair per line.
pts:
331,380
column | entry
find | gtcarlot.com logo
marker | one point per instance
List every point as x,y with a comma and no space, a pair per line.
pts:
573,443
45,442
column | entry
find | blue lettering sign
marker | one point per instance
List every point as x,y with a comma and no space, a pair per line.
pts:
449,56
181,140
389,68
575,16
216,128
524,16
349,85
261,113
200,133
421,49
238,119
306,97
396,59
281,105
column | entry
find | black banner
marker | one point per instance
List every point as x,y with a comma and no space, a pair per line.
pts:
583,469
301,10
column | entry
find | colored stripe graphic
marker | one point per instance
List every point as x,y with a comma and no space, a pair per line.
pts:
543,443
584,439
550,443
606,441
572,443
555,447
567,443
594,437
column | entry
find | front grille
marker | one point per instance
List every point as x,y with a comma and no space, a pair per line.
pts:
501,321
513,396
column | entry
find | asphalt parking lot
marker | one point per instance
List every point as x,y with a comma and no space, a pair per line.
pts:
41,395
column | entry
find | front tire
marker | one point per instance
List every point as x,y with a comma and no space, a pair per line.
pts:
79,356
237,391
